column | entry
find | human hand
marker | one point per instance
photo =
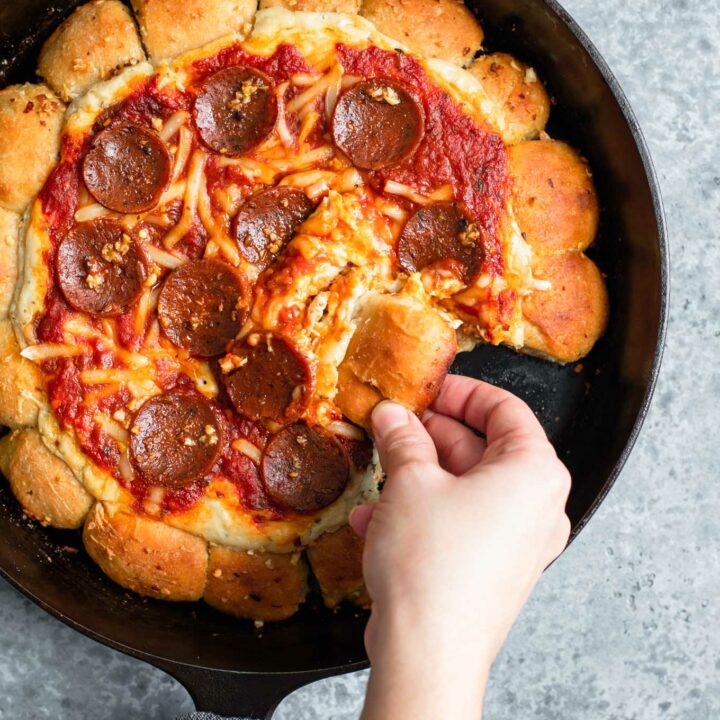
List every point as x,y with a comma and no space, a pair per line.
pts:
461,534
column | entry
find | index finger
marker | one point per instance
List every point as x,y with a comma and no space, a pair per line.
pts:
495,412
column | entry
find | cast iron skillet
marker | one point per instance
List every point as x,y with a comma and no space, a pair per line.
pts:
592,411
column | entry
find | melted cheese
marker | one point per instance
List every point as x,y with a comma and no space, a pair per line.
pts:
346,244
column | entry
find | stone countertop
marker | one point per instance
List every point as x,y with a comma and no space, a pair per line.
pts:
627,625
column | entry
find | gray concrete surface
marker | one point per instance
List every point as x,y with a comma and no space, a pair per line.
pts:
627,625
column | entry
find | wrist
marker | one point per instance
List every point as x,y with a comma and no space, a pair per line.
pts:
424,666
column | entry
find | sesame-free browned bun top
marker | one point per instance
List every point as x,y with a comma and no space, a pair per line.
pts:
377,123
519,96
31,118
336,561
553,196
440,234
235,110
202,306
567,321
127,168
100,268
304,469
169,27
444,29
267,221
174,439
257,586
396,341
92,44
267,378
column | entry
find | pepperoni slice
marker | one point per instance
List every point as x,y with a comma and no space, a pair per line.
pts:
377,123
175,439
304,469
267,380
441,233
235,110
267,221
127,168
202,306
100,269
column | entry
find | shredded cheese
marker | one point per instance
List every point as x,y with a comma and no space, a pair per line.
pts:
173,124
305,98
48,351
248,449
194,181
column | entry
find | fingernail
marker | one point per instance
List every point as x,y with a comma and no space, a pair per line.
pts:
388,416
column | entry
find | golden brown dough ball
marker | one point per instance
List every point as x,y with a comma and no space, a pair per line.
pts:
169,27
554,196
21,383
342,6
146,555
9,227
30,118
520,98
96,41
258,586
43,484
336,561
443,29
401,350
564,322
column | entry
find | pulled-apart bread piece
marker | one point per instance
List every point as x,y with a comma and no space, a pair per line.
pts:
96,41
145,555
31,119
336,561
341,6
521,101
564,324
401,350
9,229
256,586
21,383
553,197
169,28
43,484
443,29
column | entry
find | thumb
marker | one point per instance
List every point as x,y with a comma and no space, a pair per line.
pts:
401,439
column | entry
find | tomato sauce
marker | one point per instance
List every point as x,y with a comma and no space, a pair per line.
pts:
285,62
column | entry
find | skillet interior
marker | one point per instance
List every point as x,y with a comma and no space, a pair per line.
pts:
591,412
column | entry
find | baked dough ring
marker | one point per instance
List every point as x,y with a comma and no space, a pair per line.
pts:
145,555
9,236
21,383
43,484
169,27
401,350
96,41
31,120
520,99
443,29
565,322
258,586
342,6
554,197
336,561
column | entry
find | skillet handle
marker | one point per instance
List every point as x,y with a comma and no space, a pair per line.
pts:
254,696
